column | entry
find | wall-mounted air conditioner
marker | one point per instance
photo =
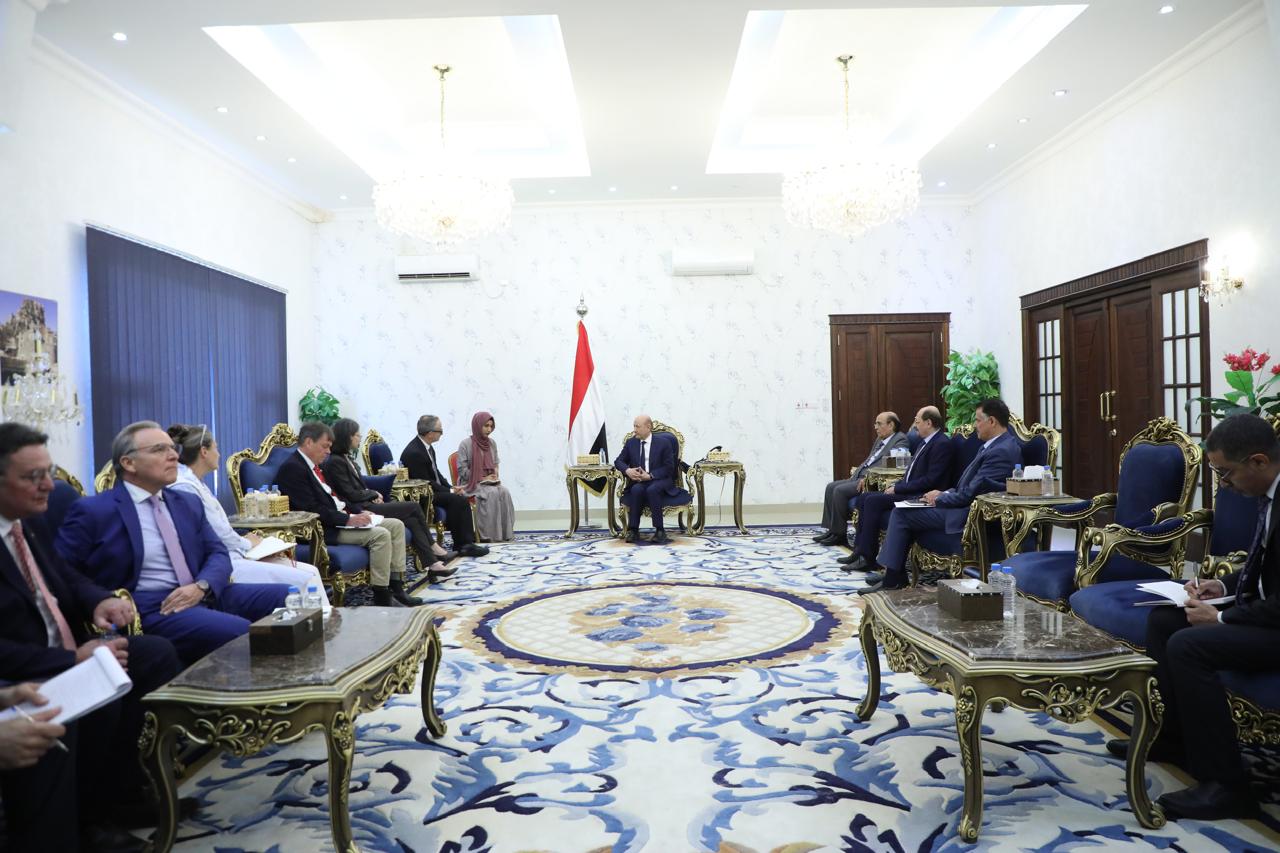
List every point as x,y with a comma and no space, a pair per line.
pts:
437,267
706,261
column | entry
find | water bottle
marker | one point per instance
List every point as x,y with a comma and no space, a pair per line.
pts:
313,599
293,600
603,461
1001,579
1017,471
1046,482
251,504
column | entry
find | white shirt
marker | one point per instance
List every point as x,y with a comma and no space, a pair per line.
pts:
157,569
923,442
213,511
50,626
311,466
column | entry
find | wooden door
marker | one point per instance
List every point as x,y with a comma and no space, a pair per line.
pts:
881,362
1133,387
1087,380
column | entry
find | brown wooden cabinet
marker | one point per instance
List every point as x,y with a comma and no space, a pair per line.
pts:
881,362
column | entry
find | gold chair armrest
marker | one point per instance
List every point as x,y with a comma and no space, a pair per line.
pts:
1165,511
1130,543
1055,515
134,628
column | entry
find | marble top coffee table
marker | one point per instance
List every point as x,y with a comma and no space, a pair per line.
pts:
1040,660
243,704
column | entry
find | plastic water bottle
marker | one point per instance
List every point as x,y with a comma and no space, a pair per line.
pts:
603,461
1001,579
293,600
1017,471
313,599
1046,482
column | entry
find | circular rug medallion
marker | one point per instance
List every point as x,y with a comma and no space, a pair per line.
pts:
657,627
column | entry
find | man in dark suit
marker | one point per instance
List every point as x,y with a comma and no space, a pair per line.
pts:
930,469
302,479
947,511
419,456
1192,645
649,464
835,501
156,543
44,608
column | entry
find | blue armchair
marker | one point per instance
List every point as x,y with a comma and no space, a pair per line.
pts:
1159,469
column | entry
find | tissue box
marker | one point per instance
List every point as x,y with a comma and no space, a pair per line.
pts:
589,459
719,456
1025,488
278,505
981,601
272,635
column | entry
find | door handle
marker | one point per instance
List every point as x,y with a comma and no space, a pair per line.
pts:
1102,407
1111,407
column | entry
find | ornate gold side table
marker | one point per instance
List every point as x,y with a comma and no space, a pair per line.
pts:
720,469
575,474
1037,661
879,478
1016,514
243,704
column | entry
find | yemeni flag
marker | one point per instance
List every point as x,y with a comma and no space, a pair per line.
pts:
586,412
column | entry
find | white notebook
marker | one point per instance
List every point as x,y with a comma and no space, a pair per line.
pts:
85,687
268,547
374,521
1173,592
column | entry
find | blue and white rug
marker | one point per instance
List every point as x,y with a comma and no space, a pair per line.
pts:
693,697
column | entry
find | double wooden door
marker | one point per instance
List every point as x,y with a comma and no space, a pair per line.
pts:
1112,381
881,362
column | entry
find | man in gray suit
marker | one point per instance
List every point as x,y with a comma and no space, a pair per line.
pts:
835,503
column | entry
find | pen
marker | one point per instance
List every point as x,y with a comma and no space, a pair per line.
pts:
56,742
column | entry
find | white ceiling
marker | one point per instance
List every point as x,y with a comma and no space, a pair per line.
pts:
345,87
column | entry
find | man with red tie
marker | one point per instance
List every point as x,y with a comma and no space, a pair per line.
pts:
302,479
49,787
156,543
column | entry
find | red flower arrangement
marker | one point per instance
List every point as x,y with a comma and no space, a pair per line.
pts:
1247,387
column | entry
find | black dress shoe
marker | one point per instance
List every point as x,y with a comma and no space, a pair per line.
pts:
382,597
1162,750
875,578
867,590
862,564
106,838
630,535
1210,801
448,557
823,535
660,537
399,594
471,549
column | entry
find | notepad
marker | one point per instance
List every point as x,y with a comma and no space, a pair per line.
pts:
1172,592
910,504
268,547
375,520
85,687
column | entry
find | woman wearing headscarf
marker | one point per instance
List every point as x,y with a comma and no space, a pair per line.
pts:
199,458
495,514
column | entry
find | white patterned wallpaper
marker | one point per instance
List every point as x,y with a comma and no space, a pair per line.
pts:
727,360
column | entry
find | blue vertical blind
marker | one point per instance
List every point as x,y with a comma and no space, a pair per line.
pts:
177,342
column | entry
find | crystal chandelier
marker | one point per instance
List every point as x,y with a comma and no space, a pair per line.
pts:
1219,285
446,201
40,398
847,188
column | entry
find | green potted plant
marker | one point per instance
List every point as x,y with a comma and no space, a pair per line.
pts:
318,405
1249,388
971,379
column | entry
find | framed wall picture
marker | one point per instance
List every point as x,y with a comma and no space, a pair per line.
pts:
28,334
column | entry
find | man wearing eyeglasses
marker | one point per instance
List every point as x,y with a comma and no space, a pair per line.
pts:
156,543
44,609
419,456
1193,645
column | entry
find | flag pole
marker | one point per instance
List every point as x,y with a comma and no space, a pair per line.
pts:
586,493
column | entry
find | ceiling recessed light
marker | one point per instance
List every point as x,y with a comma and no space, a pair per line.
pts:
1059,93
342,198
1166,9
551,192
1023,120
674,187
613,189
293,159
222,110
119,36
941,184
260,138
991,146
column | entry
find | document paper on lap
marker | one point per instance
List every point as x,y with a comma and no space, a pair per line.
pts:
268,547
910,504
1173,593
85,687
374,522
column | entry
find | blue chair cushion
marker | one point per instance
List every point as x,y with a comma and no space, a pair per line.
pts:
1150,474
1234,517
380,483
1051,575
913,440
254,475
1110,606
343,559
379,455
61,499
1260,688
1035,451
965,449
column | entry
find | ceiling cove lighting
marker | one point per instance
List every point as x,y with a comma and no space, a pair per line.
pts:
1166,9
1059,93
849,188
446,200
222,110
119,36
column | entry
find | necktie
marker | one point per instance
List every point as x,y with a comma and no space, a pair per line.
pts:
35,580
644,455
169,534
1250,578
320,474
919,453
875,451
435,471
972,470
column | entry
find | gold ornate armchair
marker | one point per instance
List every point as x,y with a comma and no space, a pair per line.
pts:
60,473
1041,445
684,511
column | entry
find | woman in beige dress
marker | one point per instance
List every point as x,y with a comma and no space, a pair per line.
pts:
495,514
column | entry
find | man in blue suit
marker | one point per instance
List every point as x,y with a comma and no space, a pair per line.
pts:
947,511
649,464
156,543
929,470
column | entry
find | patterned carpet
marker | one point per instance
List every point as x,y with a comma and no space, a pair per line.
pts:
692,697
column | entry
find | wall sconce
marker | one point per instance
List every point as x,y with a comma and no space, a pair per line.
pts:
1219,285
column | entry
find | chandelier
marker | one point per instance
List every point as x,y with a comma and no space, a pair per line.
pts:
40,398
1219,285
446,201
847,188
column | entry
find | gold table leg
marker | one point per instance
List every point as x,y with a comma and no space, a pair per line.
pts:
969,706
702,503
430,666
571,483
340,737
871,655
613,512
739,480
1147,717
156,748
